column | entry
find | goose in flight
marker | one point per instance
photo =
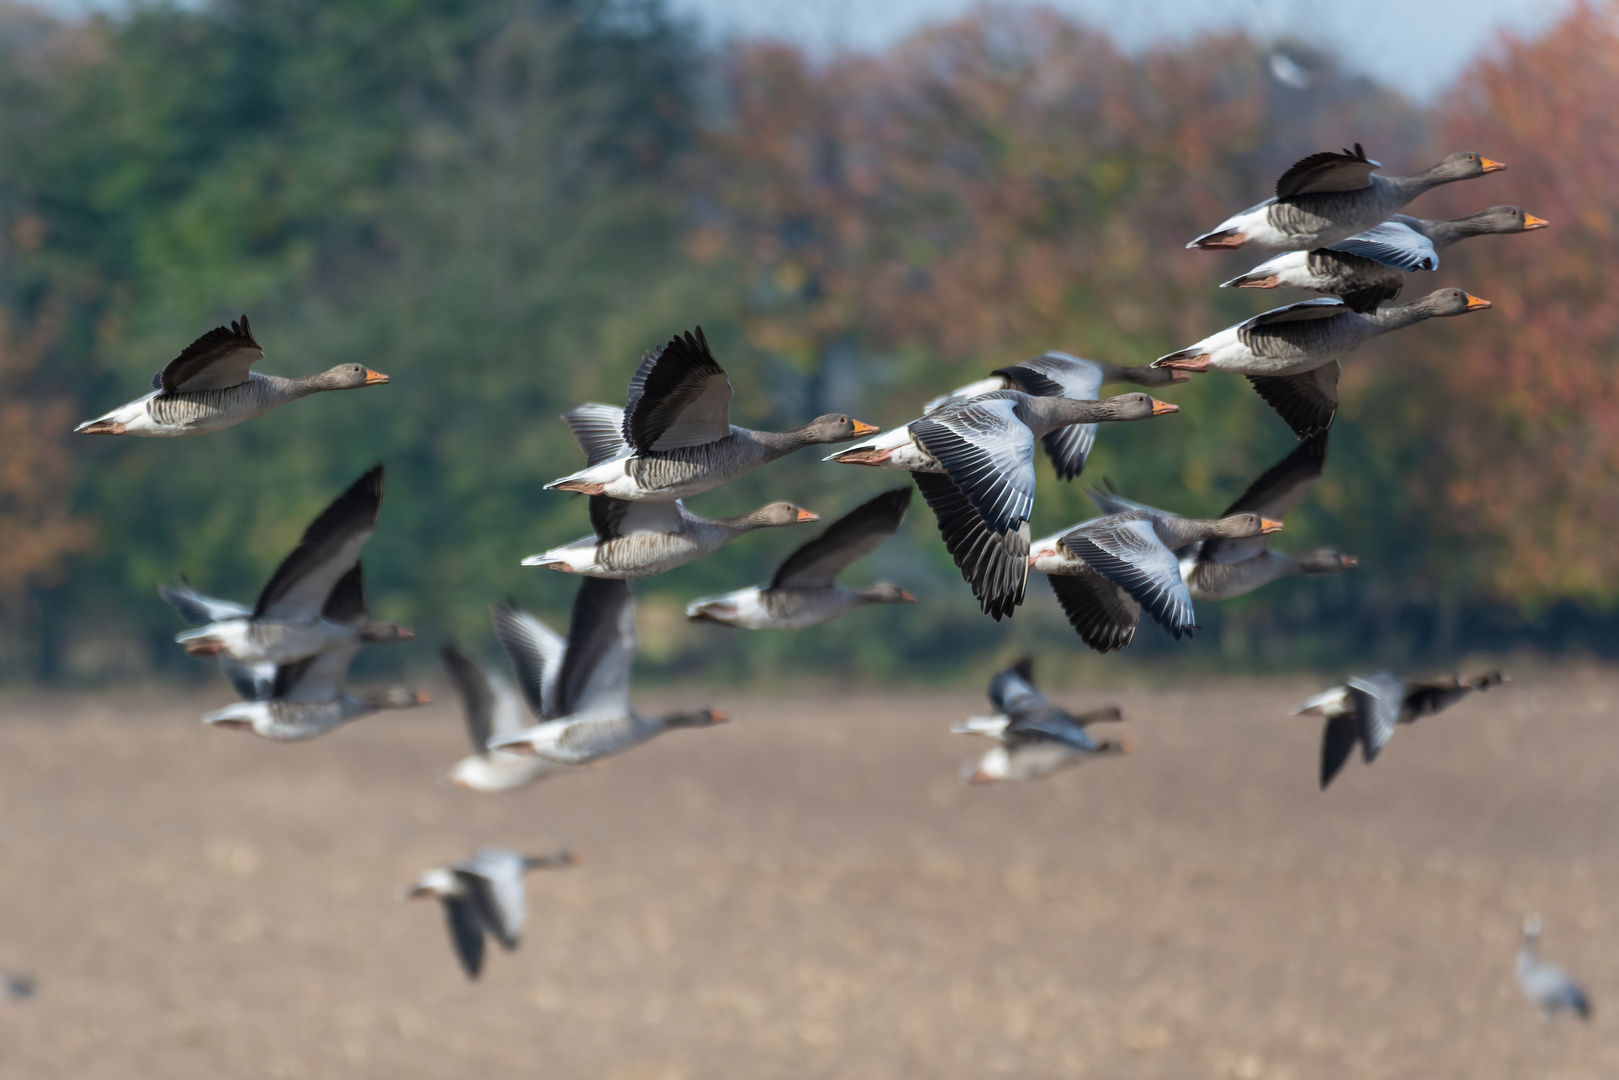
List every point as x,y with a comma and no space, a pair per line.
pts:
1367,708
588,715
974,464
1370,267
1547,986
674,438
209,387
314,601
1104,571
1220,569
483,896
494,710
643,538
804,589
1329,197
1036,737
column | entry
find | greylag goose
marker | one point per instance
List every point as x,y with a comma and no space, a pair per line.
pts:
1105,571
1223,568
1367,709
1370,267
640,539
314,601
209,387
804,589
674,439
592,717
974,463
483,895
494,710
1329,197
1036,737
1056,374
1547,986
16,987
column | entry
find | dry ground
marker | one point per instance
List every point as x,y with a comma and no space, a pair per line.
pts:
811,892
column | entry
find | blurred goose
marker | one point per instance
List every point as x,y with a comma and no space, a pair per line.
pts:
483,895
1329,197
675,438
804,590
1014,695
974,464
1056,374
15,988
494,710
592,717
209,387
640,539
1221,569
314,601
1037,737
1369,268
1367,709
1104,571
1546,985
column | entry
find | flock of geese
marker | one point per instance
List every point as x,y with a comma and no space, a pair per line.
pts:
971,452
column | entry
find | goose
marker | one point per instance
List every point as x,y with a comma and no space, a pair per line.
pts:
1221,569
592,717
1370,267
493,710
1057,374
674,439
1013,693
1367,708
314,601
804,589
1547,986
14,988
1328,197
974,464
483,895
1037,737
1104,571
640,539
208,388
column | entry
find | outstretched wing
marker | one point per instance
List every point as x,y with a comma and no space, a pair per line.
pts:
477,695
996,565
989,453
1392,243
330,547
466,934
599,430
199,610
1350,170
222,357
536,652
1338,739
1377,700
1307,401
1130,554
1013,692
855,535
679,396
1279,490
601,648
1101,613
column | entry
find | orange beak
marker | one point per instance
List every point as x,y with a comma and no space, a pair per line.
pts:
719,717
805,515
1475,304
863,428
1269,525
1348,561
423,698
1127,745
906,598
1530,221
406,633
375,378
1491,166
572,858
1164,408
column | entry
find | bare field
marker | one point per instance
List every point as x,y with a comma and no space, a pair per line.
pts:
811,892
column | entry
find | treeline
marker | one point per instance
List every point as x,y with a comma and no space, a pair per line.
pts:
501,203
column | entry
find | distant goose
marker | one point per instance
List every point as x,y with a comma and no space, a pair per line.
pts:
974,463
1546,985
1369,268
15,988
494,710
1104,571
1329,197
483,895
643,538
209,387
1221,569
592,717
314,601
1367,709
1037,737
1056,374
1282,351
804,590
674,439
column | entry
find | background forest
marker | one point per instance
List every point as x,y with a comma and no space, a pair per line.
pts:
501,203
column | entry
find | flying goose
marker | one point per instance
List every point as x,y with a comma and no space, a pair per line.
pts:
1547,986
483,895
592,717
1328,197
1221,569
974,464
1037,737
804,589
1367,708
1056,374
314,601
1104,571
1013,693
674,439
1370,267
208,388
14,988
640,539
493,710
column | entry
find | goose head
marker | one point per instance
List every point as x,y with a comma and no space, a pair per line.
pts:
381,633
399,697
697,718
1501,219
884,593
345,377
834,428
774,514
1442,303
1462,166
1325,561
1137,406
1241,526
